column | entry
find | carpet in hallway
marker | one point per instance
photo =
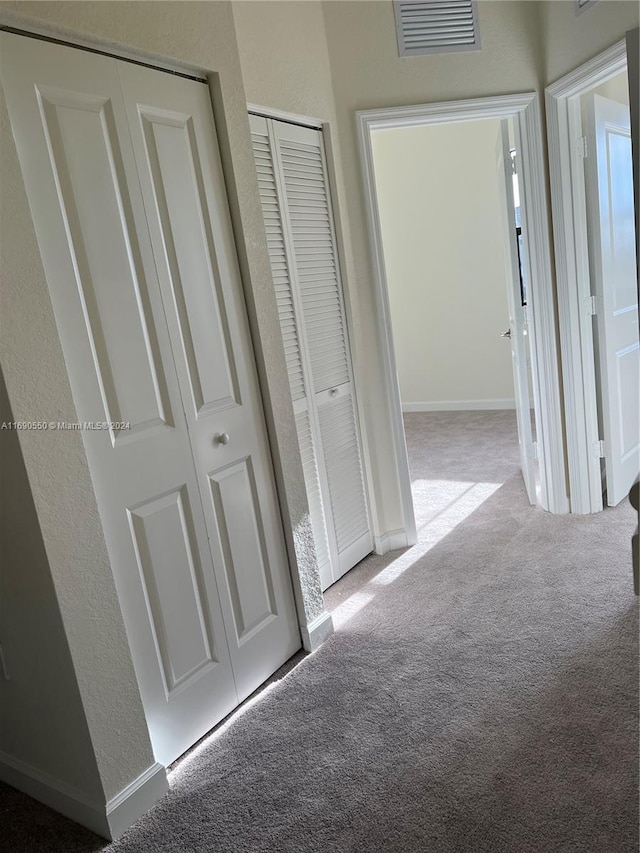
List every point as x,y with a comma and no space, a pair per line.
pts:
481,696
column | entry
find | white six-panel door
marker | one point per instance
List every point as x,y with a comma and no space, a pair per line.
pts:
612,258
296,205
127,195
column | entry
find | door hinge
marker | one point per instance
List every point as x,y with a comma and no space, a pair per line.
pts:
536,451
592,306
598,449
583,147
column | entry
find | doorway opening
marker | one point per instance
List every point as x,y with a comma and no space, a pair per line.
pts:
451,226
594,227
513,123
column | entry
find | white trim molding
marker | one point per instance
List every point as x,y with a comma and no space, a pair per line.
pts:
317,631
59,796
108,820
282,115
26,26
525,112
136,799
568,203
459,405
391,541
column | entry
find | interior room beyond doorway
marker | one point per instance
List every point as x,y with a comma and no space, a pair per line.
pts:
446,227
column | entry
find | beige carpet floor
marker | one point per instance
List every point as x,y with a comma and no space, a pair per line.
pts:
480,694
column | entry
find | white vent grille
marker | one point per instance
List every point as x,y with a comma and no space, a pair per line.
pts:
436,26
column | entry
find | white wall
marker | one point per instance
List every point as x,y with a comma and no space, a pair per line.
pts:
569,40
444,246
616,89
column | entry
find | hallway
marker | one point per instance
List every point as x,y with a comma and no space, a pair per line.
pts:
480,693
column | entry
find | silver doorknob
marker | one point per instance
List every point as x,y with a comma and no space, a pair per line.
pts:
221,438
506,334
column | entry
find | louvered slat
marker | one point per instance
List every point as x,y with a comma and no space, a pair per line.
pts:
314,494
279,266
436,26
305,187
344,472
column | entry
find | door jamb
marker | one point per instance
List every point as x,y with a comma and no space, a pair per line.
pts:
568,203
525,112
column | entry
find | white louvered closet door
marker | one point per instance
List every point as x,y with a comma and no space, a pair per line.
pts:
298,217
270,196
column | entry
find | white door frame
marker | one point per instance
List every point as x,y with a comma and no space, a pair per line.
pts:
525,112
575,311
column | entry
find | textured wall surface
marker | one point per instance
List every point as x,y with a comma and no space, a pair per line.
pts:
443,232
202,35
568,40
41,710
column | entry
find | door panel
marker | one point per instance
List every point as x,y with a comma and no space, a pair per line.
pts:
86,162
278,256
612,257
314,259
189,209
190,255
92,232
518,320
162,530
141,267
314,496
294,192
348,508
245,559
279,244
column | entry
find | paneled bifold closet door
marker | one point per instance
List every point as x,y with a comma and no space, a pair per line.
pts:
127,195
296,205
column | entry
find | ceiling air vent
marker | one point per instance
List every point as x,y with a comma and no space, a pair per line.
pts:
436,26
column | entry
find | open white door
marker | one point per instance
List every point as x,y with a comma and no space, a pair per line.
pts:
518,327
612,259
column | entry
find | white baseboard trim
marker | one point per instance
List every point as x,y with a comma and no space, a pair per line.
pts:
458,405
107,820
391,541
58,795
136,799
317,631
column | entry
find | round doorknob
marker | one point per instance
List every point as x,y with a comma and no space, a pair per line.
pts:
221,438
